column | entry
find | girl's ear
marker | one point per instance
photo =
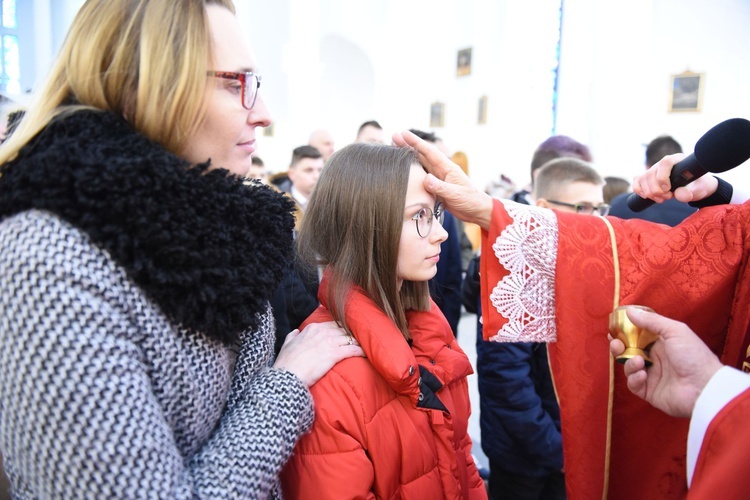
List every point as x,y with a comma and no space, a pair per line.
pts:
541,202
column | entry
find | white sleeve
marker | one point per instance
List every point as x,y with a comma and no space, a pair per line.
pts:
725,385
739,196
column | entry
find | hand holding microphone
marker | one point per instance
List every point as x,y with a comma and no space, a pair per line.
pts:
722,148
654,183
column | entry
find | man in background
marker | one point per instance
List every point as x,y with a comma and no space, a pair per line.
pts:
370,131
300,284
257,171
322,140
304,170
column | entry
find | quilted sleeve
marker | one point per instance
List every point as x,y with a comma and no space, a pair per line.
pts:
331,462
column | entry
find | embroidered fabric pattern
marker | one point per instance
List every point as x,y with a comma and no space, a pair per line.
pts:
527,248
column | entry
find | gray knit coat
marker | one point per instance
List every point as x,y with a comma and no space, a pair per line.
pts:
126,369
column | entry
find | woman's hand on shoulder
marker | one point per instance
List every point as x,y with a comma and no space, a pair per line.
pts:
448,182
309,354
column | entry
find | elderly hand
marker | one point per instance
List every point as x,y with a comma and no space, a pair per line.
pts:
682,367
448,182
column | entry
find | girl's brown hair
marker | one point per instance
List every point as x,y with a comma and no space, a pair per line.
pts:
353,225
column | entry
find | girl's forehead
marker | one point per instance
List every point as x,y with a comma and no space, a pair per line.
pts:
416,194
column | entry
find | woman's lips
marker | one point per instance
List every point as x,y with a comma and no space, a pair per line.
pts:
248,146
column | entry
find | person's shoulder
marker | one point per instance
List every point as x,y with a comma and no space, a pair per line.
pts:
281,181
521,196
351,381
620,199
58,258
43,235
619,206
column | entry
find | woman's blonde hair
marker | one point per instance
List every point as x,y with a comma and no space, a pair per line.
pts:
353,224
144,60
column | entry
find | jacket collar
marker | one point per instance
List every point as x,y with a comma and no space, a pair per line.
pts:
433,345
206,249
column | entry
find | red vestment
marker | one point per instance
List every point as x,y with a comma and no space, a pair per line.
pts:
721,470
551,277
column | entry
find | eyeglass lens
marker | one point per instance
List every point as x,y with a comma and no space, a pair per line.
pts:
591,209
425,217
250,84
250,90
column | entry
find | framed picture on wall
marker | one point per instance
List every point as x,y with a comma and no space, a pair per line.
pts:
268,131
482,112
463,62
437,112
686,92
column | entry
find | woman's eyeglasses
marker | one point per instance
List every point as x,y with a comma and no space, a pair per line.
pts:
585,208
250,84
424,219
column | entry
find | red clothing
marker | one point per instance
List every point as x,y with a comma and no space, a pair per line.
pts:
721,470
552,278
370,439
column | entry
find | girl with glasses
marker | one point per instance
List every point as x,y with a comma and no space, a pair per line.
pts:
392,424
135,269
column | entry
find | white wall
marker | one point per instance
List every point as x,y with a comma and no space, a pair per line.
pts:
389,60
41,37
336,63
615,84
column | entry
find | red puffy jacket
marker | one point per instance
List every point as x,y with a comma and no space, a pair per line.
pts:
377,431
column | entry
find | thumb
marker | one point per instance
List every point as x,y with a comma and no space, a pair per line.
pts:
436,186
661,325
685,194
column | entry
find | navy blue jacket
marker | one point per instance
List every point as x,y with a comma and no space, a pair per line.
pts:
445,287
519,415
671,212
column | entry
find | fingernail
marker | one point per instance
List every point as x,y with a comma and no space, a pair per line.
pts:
638,310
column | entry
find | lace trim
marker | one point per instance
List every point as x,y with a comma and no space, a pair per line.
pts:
527,248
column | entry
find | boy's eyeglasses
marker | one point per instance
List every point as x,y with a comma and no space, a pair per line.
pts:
585,208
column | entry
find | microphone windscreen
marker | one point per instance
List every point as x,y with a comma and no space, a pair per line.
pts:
724,146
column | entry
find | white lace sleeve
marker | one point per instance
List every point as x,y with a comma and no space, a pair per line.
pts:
527,248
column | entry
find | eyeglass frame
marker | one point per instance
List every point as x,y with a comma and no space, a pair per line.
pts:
435,213
602,209
243,78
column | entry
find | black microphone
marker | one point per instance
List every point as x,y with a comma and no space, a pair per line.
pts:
720,149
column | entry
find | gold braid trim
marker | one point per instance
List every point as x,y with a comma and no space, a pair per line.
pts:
611,398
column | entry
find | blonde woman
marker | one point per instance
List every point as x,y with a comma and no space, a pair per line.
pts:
135,269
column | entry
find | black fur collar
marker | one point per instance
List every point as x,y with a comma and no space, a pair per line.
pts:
208,250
